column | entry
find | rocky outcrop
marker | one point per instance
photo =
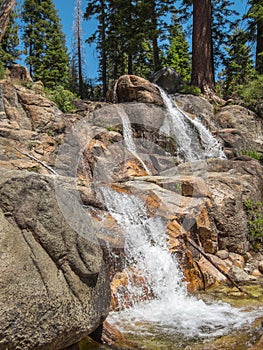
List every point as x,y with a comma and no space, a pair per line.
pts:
54,285
240,128
46,246
131,88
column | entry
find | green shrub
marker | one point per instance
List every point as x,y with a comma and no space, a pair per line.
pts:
62,97
253,154
252,92
2,70
190,89
254,212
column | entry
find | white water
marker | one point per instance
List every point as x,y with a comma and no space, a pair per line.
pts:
128,137
171,310
193,139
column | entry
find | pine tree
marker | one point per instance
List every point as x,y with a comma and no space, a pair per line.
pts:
98,9
238,65
255,30
178,55
9,52
45,43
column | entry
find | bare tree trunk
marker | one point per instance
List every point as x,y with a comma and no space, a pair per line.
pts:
259,47
202,58
154,37
6,6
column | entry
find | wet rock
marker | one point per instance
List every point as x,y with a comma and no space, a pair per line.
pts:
197,106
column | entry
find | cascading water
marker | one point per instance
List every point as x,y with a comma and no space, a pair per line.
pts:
171,310
128,137
193,139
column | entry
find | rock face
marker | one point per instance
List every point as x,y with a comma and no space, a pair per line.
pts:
54,285
130,88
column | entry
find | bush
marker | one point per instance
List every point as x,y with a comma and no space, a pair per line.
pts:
2,70
62,97
253,154
254,212
190,89
252,92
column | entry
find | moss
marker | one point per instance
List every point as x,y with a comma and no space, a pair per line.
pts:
254,212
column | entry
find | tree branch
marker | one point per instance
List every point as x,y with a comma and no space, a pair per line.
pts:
37,160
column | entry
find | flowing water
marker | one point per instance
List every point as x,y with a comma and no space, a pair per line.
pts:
128,137
194,140
172,312
171,319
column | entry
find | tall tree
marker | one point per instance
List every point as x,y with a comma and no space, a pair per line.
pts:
98,9
9,52
202,56
238,69
78,47
178,55
6,6
212,21
45,43
255,27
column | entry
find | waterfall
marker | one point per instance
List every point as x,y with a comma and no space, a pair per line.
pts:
128,137
193,139
171,309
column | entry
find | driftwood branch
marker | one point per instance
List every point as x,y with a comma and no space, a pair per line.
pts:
37,160
207,257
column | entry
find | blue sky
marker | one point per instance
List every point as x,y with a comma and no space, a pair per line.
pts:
65,10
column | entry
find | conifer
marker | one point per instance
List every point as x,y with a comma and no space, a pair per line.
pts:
45,43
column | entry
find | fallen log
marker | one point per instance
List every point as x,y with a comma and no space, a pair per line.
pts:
207,257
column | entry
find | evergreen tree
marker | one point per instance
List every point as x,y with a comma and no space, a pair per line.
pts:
129,36
178,55
238,65
98,9
9,53
45,43
255,30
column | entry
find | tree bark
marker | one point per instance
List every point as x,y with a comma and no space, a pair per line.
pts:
259,47
202,56
6,6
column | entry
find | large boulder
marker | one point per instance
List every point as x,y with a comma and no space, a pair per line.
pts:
54,287
239,128
131,88
168,79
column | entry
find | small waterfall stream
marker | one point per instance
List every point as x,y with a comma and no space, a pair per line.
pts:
128,137
171,311
193,139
